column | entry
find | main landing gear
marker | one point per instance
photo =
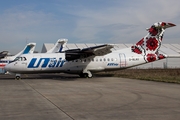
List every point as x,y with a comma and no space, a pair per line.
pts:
88,74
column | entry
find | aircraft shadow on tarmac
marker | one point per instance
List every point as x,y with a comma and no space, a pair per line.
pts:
54,76
41,76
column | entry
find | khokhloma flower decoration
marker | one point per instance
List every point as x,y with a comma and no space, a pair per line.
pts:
151,57
152,43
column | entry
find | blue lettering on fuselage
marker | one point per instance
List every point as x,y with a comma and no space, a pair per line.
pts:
50,62
112,64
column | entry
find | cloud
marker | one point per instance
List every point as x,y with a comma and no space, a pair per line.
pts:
81,22
123,22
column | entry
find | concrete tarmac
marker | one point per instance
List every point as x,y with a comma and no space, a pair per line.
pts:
68,97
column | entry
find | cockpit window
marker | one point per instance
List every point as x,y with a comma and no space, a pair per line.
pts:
19,59
15,59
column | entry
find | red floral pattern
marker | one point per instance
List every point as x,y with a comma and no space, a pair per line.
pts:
136,50
151,57
161,37
162,24
140,42
152,43
153,31
161,56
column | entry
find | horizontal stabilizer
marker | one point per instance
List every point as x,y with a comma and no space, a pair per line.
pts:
162,25
173,56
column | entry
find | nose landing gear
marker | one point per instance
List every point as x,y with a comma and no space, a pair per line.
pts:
18,77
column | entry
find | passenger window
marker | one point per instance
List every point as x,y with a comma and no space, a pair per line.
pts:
104,59
100,59
96,60
112,59
108,59
93,60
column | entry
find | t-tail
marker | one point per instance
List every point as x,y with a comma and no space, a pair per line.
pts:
29,48
150,44
58,47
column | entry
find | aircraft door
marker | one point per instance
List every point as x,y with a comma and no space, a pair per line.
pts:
122,62
24,62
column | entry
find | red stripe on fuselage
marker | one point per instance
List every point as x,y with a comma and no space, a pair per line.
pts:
2,65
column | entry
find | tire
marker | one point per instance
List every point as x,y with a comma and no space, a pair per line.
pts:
18,77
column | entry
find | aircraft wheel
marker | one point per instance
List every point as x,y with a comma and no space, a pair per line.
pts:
81,75
18,78
85,75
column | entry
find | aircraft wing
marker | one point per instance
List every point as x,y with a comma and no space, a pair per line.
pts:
3,54
87,52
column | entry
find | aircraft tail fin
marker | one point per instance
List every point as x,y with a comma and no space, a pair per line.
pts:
29,48
150,44
58,47
3,54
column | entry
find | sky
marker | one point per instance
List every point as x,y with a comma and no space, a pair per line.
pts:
83,21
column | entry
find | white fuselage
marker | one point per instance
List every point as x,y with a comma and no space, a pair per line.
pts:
56,62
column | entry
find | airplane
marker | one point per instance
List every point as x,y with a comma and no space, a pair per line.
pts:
58,47
3,54
89,60
29,48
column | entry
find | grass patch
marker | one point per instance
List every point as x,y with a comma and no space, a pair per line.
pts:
161,75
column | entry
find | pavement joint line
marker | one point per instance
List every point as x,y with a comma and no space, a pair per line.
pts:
48,100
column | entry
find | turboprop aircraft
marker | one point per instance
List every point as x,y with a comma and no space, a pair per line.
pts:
29,48
93,59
